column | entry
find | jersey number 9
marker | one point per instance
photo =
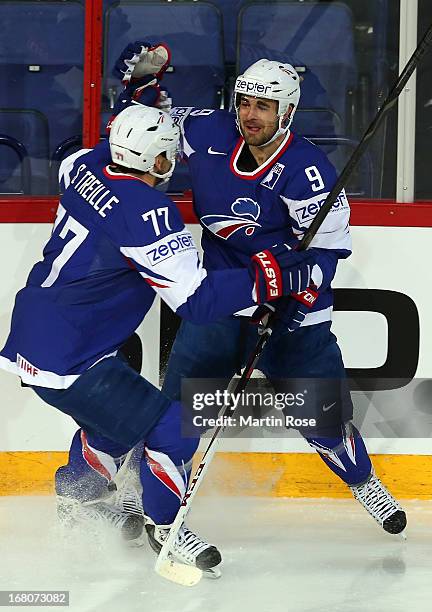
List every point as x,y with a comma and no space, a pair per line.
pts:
315,178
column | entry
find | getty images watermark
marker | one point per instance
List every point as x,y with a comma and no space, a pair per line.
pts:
278,401
308,405
379,407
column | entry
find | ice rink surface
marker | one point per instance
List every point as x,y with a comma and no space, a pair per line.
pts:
279,555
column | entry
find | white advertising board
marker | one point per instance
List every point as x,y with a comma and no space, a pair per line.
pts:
385,259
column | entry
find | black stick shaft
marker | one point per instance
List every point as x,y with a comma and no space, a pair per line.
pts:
240,385
389,102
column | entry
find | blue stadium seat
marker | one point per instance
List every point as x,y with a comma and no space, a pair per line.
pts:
317,38
30,128
230,10
41,63
20,154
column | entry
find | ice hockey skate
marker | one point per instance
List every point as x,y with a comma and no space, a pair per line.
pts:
188,548
381,505
72,512
128,495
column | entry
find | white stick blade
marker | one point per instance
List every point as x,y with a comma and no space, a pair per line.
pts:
186,575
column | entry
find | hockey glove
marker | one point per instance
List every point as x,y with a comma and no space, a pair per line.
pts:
139,60
150,94
280,271
164,103
291,312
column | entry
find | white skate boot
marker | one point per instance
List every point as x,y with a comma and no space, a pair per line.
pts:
380,504
188,548
128,496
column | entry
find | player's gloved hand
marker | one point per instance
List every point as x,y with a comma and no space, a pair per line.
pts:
150,94
291,311
261,316
164,103
142,59
280,271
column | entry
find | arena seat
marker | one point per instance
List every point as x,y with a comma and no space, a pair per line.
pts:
30,129
230,10
41,67
22,184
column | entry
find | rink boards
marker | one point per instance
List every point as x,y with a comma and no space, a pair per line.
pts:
388,273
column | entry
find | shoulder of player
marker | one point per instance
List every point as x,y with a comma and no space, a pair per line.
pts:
135,204
307,170
92,158
307,152
75,164
201,115
131,195
303,155
208,127
100,154
133,192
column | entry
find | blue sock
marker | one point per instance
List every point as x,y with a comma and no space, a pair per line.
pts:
93,463
345,454
166,467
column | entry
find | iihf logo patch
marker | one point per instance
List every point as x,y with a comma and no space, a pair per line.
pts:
224,226
273,176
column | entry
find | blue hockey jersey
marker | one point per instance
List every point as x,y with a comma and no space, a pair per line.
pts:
116,242
242,213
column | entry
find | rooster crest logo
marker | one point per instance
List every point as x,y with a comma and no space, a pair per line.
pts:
247,212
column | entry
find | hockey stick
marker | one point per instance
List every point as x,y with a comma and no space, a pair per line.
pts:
190,575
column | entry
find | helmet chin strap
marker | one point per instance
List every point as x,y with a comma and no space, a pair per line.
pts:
166,176
279,132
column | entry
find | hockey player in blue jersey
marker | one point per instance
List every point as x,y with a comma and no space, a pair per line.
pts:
115,244
256,183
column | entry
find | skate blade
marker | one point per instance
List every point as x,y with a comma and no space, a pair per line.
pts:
403,535
186,575
137,542
213,573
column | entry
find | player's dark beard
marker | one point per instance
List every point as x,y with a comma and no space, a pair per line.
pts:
265,138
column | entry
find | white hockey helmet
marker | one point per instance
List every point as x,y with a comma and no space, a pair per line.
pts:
139,134
273,81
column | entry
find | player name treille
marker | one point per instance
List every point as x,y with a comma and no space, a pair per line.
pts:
249,421
93,191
